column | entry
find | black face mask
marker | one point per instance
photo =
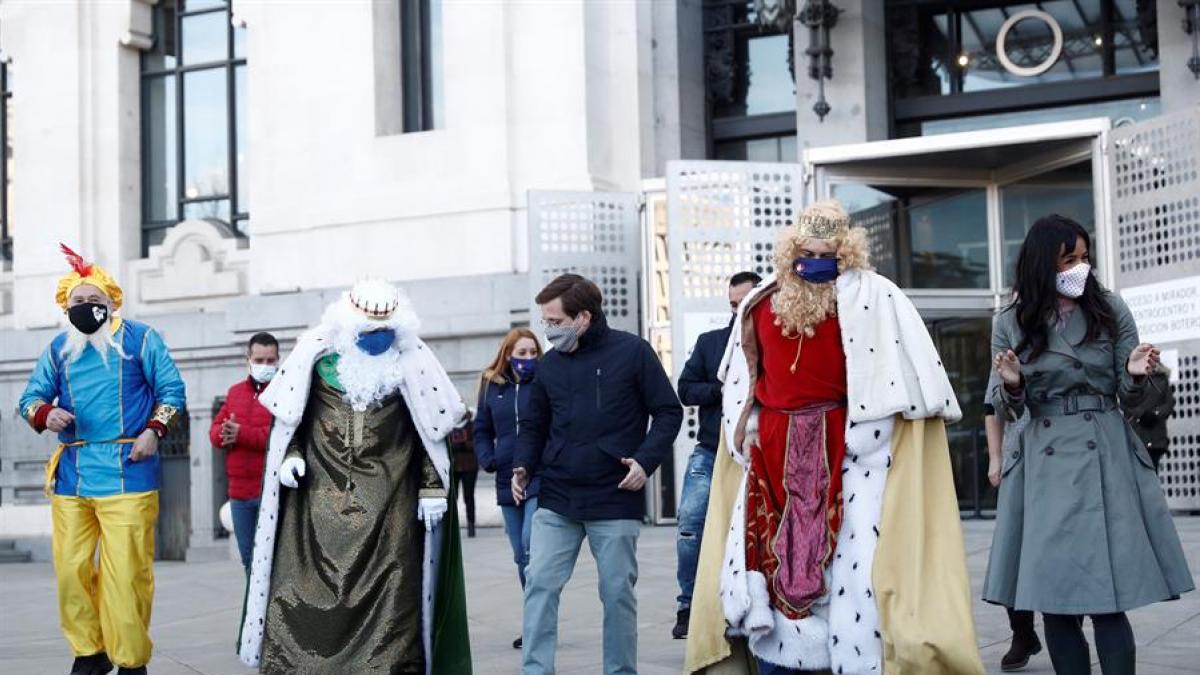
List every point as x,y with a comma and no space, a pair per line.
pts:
88,317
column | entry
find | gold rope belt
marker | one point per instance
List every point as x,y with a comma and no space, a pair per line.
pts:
52,465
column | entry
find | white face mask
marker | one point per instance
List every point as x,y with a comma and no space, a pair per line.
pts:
262,372
1072,282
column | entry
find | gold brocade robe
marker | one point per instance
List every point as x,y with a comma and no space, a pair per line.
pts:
346,583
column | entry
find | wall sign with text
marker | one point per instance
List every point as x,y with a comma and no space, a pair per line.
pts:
1166,312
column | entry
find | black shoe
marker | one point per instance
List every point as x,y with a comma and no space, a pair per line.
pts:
96,664
518,643
682,617
141,670
470,530
1023,647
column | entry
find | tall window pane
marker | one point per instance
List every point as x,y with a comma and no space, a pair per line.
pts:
194,132
421,63
766,78
1066,191
948,234
241,140
748,83
923,237
205,134
205,37
436,81
159,149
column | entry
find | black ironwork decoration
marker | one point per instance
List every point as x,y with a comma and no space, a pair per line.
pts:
722,69
1191,26
820,16
1146,20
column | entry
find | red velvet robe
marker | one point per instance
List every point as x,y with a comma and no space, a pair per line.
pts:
793,498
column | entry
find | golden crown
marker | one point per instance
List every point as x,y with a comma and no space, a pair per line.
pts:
822,227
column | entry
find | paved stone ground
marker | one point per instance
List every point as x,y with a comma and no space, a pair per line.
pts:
197,606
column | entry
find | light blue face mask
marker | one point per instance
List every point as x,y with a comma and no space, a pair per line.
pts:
376,342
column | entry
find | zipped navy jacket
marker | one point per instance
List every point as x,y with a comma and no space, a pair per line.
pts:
699,386
500,406
590,408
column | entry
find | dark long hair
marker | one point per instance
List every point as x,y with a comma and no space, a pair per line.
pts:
1036,295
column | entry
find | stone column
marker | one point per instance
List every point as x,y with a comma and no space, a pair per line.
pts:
857,93
75,141
203,543
1180,89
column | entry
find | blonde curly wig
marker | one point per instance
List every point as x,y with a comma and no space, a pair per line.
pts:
800,305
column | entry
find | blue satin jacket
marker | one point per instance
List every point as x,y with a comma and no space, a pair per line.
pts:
111,401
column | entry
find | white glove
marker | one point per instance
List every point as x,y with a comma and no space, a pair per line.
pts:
291,471
431,510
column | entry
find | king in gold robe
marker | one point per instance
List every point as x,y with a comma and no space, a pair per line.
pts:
357,562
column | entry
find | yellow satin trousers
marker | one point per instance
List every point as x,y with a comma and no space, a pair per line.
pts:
105,607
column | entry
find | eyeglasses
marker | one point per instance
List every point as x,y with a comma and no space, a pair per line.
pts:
554,323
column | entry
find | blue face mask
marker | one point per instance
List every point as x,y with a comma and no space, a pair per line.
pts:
524,368
816,270
376,342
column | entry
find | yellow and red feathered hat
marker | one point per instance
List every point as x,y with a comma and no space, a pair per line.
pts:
83,272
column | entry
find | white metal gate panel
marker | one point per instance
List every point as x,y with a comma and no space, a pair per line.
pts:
594,234
723,219
1154,188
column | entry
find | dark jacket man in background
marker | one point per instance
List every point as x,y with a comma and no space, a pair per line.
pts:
1149,416
602,416
699,386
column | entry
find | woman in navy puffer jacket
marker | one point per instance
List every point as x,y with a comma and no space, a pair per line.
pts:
503,397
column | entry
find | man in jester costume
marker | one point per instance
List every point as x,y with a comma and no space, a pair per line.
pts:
109,389
833,540
357,564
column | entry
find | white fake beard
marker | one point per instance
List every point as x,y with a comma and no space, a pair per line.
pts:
367,379
102,341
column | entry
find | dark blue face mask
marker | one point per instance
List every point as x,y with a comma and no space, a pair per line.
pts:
524,368
816,270
376,342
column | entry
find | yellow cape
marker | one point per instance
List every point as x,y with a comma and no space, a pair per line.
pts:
920,571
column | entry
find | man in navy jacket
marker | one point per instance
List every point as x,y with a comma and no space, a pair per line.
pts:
699,386
602,416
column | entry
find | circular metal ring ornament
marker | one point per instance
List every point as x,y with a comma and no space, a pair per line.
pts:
1055,51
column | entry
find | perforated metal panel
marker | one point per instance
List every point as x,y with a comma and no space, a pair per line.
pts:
880,222
594,234
723,219
1179,470
1154,187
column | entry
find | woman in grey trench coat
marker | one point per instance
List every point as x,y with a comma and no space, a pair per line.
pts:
1083,527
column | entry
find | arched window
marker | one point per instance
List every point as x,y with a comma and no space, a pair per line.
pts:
193,119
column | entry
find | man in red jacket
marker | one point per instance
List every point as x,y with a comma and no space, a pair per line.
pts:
242,427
